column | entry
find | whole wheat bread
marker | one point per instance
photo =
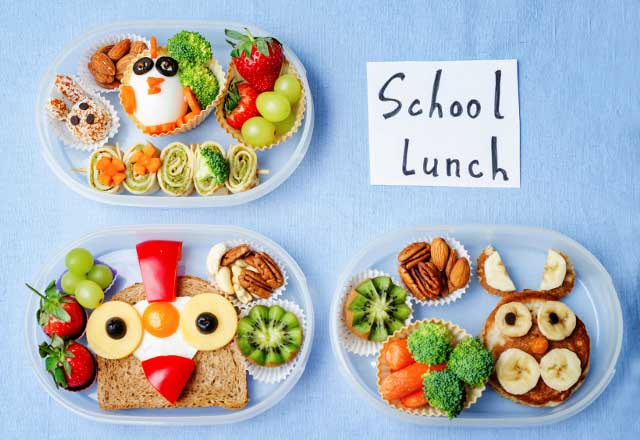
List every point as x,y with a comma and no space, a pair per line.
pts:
219,378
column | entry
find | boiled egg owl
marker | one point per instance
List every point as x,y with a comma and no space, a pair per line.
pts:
164,331
152,94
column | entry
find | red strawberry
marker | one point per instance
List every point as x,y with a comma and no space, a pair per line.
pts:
240,104
70,364
59,313
257,59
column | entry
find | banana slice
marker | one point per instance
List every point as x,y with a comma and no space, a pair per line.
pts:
556,321
513,319
223,280
555,270
496,274
518,372
214,257
560,369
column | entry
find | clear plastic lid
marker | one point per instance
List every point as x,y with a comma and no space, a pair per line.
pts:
593,299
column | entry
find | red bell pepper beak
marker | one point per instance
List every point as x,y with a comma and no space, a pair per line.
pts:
168,374
158,261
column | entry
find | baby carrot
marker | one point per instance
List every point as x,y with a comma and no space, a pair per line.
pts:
403,382
415,400
397,355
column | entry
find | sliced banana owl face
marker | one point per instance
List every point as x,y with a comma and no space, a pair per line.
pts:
555,320
560,369
517,371
513,319
555,270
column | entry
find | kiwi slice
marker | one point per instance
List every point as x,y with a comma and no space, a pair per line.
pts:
376,308
269,336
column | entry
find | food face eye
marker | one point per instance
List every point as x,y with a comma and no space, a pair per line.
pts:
90,118
167,66
142,66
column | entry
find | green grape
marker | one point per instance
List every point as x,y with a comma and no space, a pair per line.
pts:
289,86
101,274
283,127
273,106
258,131
70,280
89,294
79,260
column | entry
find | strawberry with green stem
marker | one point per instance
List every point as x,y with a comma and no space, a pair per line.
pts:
257,59
70,364
60,313
240,104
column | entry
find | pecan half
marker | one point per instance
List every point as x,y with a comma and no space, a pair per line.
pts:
411,284
428,276
268,269
234,254
413,253
254,284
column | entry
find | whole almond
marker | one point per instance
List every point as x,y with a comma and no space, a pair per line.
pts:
105,49
460,273
103,79
439,253
119,76
101,63
119,50
453,257
137,47
123,63
112,85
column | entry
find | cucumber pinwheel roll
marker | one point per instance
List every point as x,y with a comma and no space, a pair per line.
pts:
176,172
142,164
243,168
106,169
212,168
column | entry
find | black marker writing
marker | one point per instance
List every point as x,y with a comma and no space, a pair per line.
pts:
383,98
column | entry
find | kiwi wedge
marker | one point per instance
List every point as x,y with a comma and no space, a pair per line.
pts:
269,336
376,308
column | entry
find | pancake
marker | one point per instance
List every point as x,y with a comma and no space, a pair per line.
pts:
579,342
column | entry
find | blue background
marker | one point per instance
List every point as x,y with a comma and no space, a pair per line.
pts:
579,71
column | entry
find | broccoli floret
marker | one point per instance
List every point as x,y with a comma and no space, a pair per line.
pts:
189,47
216,163
430,344
471,362
201,80
444,391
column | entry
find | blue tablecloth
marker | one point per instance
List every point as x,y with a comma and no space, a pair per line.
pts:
579,70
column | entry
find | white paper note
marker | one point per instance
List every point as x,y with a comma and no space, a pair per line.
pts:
444,123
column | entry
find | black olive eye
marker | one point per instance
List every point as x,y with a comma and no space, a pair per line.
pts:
167,66
90,118
83,106
116,328
206,323
74,120
142,66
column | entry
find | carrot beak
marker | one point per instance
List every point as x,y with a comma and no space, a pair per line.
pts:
154,85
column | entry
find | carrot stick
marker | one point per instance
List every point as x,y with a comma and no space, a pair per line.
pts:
397,355
128,99
415,400
154,47
403,382
191,100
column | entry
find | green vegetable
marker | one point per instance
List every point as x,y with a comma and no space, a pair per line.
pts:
217,164
202,81
444,391
189,47
430,344
471,362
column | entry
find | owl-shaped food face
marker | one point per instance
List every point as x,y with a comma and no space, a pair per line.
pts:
151,91
164,332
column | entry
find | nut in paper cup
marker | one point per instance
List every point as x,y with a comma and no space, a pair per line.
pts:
276,374
352,342
473,393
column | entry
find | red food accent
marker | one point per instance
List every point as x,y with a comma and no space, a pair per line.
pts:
403,382
397,355
70,364
60,313
158,261
259,68
415,400
438,367
168,374
240,104
153,51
